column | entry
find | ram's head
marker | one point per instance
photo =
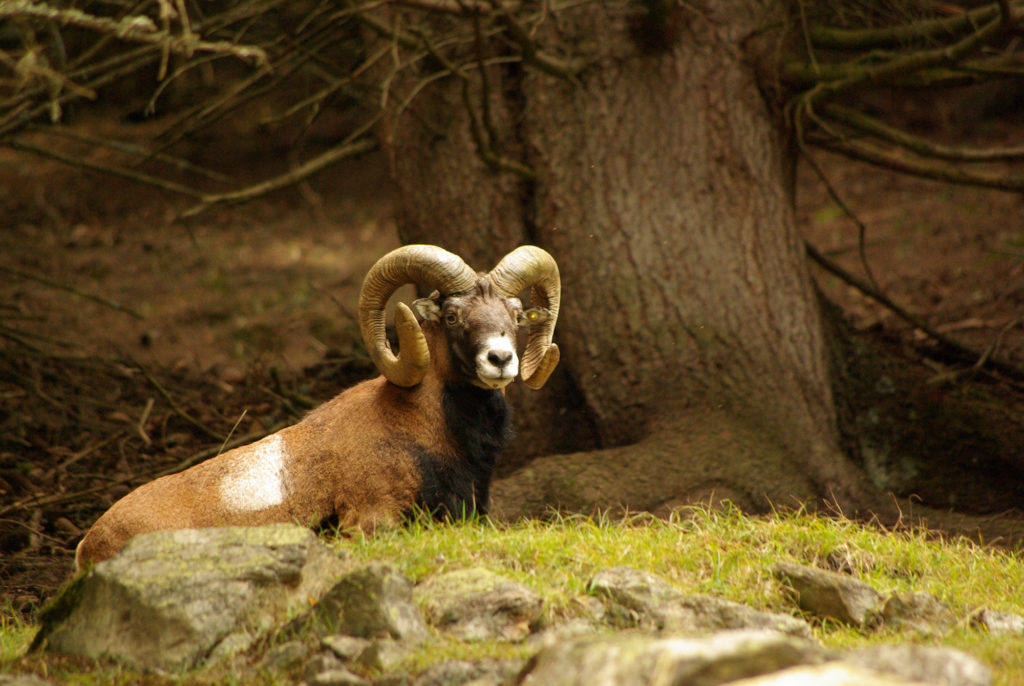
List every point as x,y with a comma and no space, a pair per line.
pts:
478,312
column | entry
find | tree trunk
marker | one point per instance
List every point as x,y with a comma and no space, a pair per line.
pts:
694,363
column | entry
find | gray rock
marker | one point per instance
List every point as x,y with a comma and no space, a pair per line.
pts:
828,674
337,677
500,674
641,593
831,595
996,622
930,664
476,604
285,655
323,662
383,655
563,631
704,613
649,601
920,612
372,602
347,648
170,597
393,680
461,672
637,659
23,680
231,645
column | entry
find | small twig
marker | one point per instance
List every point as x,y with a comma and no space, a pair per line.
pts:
230,433
35,532
17,337
861,228
140,426
210,452
177,408
956,374
88,450
279,390
70,289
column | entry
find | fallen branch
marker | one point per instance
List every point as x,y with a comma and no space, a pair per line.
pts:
290,178
960,349
70,289
140,177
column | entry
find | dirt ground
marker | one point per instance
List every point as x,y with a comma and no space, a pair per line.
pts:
238,320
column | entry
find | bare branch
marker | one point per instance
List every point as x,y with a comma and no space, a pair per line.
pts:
938,172
148,179
871,126
137,28
896,36
70,289
178,163
878,74
862,230
533,55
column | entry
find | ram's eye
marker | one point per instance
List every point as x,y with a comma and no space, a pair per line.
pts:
451,319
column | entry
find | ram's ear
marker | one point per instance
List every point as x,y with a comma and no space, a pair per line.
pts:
534,315
428,308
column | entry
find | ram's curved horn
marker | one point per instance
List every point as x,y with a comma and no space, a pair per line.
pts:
425,265
531,267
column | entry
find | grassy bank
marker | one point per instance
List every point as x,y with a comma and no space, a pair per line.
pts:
719,552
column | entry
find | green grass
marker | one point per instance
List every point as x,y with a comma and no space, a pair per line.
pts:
718,552
729,555
15,633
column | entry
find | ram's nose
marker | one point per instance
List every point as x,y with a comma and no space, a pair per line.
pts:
500,358
497,363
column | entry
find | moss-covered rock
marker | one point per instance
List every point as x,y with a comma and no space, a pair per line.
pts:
169,598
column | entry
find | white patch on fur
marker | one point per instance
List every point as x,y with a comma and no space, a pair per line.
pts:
259,478
497,375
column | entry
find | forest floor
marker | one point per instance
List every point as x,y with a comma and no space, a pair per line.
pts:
237,321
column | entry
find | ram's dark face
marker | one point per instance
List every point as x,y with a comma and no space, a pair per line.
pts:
481,330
